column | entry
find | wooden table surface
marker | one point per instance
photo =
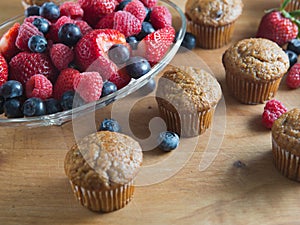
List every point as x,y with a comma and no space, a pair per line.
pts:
240,186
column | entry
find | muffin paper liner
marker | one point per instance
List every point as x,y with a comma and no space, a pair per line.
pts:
210,37
287,163
186,124
251,92
104,201
293,5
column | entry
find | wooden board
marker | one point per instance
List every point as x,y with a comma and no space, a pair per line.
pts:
34,189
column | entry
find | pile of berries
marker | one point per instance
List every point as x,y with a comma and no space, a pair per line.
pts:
90,47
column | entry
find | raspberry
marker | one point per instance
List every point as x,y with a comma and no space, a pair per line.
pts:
127,23
272,111
7,42
83,26
293,76
120,79
30,19
3,70
149,3
53,33
61,55
26,31
38,86
107,22
71,9
64,82
160,17
137,9
89,86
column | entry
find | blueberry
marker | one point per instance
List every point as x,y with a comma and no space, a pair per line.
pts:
132,41
292,57
34,107
69,34
52,106
12,108
2,101
147,28
49,11
108,88
294,45
119,53
37,44
42,25
189,41
148,13
110,125
122,4
11,89
33,10
168,141
66,101
137,66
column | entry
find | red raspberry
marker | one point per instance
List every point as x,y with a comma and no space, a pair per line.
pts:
26,64
61,56
120,79
136,8
30,19
272,111
64,82
107,22
160,17
3,70
53,33
7,42
293,76
38,86
83,26
71,9
149,3
89,86
26,31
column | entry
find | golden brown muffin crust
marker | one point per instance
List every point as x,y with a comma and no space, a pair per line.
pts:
256,59
213,12
286,131
103,160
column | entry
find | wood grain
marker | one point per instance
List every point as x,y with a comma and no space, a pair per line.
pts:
34,189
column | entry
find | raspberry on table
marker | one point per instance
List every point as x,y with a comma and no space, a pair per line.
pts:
293,76
272,111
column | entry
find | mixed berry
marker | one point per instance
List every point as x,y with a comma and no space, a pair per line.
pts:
89,48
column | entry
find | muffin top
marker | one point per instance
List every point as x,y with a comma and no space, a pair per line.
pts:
256,59
188,88
103,160
213,12
286,131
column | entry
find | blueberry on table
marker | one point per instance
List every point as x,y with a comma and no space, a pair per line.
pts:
122,5
147,28
42,25
33,10
294,45
137,67
12,108
292,57
119,53
11,89
69,34
189,41
108,88
34,107
49,11
110,125
132,41
168,141
52,106
37,44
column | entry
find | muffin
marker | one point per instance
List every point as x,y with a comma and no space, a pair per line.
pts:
212,21
292,5
187,98
286,144
254,68
101,169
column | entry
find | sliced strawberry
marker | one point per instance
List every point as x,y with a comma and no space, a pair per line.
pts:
26,64
91,51
3,70
120,79
160,17
61,56
38,86
155,45
89,86
71,9
83,26
53,33
7,42
136,8
64,82
149,3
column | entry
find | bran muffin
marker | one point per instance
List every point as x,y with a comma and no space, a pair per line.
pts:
286,144
212,21
254,68
101,168
187,98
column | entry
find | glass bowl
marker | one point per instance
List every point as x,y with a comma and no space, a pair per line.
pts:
179,23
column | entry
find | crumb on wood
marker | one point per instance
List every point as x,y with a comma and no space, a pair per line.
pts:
239,164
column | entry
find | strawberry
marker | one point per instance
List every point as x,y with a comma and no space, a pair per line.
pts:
83,26
38,86
136,8
89,86
91,51
64,82
26,31
160,17
120,79
7,42
53,33
155,45
3,70
278,25
293,76
61,55
71,9
149,3
26,64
